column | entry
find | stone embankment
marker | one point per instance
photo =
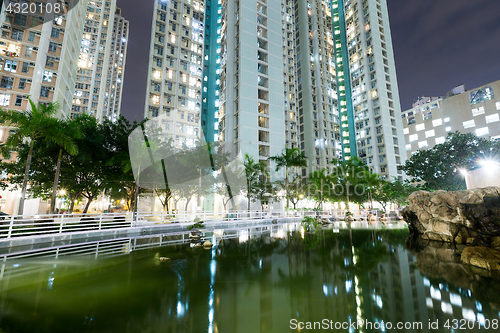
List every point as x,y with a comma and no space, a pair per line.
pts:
470,218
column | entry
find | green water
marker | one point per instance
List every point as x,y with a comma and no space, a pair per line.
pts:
256,281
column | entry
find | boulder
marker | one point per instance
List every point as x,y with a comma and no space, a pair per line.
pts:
482,257
463,217
207,244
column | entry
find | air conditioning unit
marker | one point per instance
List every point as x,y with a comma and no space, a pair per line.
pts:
3,43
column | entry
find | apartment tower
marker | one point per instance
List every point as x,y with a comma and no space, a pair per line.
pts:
174,89
102,61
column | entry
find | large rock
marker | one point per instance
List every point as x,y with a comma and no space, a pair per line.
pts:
463,217
482,257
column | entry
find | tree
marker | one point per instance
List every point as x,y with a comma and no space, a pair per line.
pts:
33,125
290,157
373,182
254,171
297,190
439,167
350,177
395,191
263,190
319,179
70,129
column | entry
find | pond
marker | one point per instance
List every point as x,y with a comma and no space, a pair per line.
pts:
264,279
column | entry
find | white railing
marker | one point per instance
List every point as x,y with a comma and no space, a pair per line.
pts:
22,226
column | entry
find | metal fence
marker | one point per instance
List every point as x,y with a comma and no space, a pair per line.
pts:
22,226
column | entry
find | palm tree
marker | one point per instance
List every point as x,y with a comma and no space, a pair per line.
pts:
290,157
71,129
253,172
319,178
373,181
35,124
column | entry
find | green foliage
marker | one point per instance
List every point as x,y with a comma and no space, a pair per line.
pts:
310,224
255,173
439,167
395,191
197,225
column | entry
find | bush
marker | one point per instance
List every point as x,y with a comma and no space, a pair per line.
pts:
197,225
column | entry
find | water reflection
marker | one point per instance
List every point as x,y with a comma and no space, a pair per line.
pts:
251,280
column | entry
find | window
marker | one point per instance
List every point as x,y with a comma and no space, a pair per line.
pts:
406,130
17,34
408,147
54,33
447,119
31,37
10,66
7,82
497,104
52,47
448,129
437,122
22,84
482,131
28,52
478,111
492,118
20,19
440,140
19,100
429,134
420,127
413,137
50,62
480,95
44,92
422,144
26,67
469,123
47,76
4,99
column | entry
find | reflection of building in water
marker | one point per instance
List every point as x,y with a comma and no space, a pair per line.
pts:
397,290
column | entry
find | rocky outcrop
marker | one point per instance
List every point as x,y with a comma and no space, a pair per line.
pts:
463,217
482,257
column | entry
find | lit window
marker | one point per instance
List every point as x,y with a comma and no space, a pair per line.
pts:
482,131
469,123
497,105
440,140
448,129
492,118
422,144
429,134
447,119
477,111
4,99
413,137
437,122
406,131
420,127
408,147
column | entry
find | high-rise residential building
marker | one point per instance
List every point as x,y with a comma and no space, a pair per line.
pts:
38,57
174,89
102,61
317,75
116,67
38,53
367,57
467,111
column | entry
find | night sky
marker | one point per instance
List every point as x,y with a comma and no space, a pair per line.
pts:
438,44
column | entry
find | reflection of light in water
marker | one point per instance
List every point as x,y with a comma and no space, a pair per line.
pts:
479,306
336,290
302,232
455,299
348,285
325,290
469,314
243,236
429,302
446,308
213,270
427,283
435,293
481,319
378,300
180,309
260,263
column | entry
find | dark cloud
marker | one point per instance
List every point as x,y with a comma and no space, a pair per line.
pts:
439,44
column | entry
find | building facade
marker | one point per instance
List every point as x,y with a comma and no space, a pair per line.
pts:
101,63
174,90
310,74
474,111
